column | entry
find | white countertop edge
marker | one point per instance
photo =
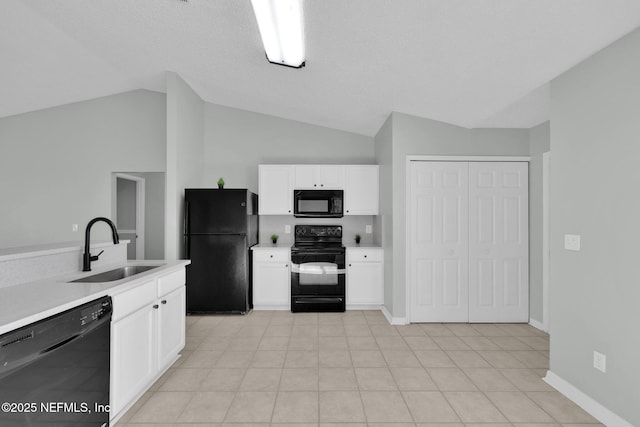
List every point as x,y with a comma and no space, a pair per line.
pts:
21,252
272,246
41,311
288,246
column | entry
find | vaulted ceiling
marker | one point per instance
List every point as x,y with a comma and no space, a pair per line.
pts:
473,63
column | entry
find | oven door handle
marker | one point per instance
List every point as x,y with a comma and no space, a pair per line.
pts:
317,300
295,268
317,253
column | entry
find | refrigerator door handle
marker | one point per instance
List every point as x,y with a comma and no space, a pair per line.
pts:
187,246
186,218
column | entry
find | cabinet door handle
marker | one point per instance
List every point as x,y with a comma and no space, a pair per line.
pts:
349,265
315,185
164,301
156,306
270,256
321,185
365,256
286,265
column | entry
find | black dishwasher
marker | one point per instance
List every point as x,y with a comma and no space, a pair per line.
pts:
55,372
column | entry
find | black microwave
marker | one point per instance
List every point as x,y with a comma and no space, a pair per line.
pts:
317,203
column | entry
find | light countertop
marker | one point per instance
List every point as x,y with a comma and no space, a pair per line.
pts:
288,245
26,303
272,246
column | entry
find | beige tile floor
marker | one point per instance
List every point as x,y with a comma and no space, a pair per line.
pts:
354,369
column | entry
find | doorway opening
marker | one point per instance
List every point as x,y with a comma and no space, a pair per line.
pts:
128,212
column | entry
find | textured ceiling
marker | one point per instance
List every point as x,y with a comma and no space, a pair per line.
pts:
473,63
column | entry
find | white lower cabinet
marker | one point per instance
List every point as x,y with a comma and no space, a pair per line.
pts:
133,356
171,326
147,333
365,278
271,279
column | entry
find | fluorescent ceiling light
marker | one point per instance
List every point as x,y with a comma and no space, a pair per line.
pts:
282,30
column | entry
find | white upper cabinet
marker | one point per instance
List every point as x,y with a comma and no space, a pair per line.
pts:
318,177
275,189
277,183
361,190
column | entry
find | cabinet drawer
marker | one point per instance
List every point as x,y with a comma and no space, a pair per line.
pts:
364,255
130,301
271,255
171,282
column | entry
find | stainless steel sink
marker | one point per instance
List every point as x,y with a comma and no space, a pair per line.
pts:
116,274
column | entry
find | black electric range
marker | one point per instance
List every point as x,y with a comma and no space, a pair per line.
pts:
318,269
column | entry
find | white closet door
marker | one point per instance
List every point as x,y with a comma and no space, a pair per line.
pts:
498,242
439,242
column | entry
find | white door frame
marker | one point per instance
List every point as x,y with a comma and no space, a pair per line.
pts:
546,250
140,207
421,158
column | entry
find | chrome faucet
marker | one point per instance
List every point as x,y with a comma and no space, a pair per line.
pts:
87,257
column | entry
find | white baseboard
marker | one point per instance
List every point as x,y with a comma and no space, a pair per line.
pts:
393,320
595,409
537,324
272,307
364,307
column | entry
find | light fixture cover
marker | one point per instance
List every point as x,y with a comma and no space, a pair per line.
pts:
282,30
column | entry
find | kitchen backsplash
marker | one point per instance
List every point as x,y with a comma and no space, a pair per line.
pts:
31,263
351,225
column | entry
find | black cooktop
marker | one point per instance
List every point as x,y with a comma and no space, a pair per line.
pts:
318,237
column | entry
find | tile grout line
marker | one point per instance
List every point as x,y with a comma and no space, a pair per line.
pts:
396,382
523,367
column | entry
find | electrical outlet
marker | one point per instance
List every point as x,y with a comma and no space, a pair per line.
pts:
368,229
599,361
74,227
287,229
572,242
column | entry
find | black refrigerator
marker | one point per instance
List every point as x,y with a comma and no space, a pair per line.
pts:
220,226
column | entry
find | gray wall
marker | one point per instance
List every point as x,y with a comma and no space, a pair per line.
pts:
237,141
595,111
384,158
418,136
56,164
126,208
539,143
154,205
126,213
185,135
154,214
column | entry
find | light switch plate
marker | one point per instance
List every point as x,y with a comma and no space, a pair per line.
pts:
74,227
287,229
368,229
572,242
599,361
